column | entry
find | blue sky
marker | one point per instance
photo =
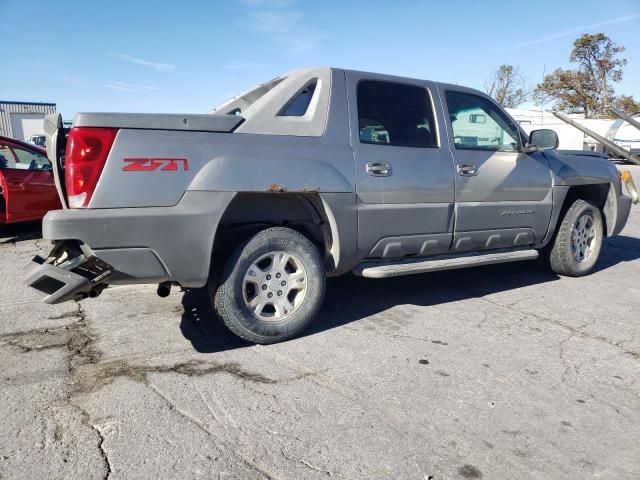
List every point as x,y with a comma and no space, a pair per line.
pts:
188,56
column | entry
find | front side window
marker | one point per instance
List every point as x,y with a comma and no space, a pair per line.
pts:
395,114
32,160
478,124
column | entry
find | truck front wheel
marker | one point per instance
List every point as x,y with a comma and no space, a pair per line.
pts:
578,241
272,286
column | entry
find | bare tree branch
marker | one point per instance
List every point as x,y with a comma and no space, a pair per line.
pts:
507,86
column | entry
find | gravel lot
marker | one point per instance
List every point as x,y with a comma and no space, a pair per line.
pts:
505,372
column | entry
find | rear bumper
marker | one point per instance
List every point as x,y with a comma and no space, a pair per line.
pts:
59,284
139,245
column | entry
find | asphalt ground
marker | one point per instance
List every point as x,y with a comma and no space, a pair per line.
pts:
501,372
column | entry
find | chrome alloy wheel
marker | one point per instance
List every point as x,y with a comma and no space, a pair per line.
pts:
274,286
583,238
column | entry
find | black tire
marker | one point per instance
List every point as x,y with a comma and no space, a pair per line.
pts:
230,298
562,259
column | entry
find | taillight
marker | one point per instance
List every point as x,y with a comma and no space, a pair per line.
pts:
87,152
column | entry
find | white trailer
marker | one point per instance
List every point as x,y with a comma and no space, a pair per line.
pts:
615,130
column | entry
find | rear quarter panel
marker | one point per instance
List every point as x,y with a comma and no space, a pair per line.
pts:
220,162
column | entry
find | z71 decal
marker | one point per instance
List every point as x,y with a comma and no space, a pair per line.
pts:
151,164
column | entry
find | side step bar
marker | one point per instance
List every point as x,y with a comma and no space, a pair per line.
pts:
379,269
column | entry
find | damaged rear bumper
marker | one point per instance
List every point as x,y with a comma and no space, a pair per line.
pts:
73,279
149,245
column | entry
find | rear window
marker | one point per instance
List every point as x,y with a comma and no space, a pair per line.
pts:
395,114
299,105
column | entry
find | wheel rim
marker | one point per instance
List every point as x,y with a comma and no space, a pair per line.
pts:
274,286
583,238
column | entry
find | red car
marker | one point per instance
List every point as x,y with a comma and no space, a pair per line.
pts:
27,189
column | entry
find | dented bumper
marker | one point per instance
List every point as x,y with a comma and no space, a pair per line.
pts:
137,245
73,279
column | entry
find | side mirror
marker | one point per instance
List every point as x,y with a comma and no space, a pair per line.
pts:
544,139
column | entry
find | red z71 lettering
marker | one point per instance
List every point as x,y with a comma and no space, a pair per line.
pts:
151,164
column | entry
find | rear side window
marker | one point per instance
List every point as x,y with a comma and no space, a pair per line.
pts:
395,114
300,103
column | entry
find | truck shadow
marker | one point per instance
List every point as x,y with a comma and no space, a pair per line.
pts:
201,326
20,232
350,298
616,250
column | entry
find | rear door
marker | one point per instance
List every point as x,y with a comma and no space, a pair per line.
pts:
403,173
503,197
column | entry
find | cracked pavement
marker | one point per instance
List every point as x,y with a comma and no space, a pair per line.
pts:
506,371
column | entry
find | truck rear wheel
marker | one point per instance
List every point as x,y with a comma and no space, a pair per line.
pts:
272,286
578,241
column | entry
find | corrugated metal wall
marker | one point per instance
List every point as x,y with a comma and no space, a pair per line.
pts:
7,108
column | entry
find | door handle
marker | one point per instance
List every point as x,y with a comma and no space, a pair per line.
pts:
378,169
467,170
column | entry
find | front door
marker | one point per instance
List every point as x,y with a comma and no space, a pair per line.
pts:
503,197
403,172
29,183
42,195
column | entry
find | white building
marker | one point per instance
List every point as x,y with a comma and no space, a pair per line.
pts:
21,120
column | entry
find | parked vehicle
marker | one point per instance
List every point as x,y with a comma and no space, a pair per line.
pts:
27,189
319,172
37,140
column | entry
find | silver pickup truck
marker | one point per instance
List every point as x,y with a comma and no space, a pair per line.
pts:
319,172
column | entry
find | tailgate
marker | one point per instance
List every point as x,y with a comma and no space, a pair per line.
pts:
56,142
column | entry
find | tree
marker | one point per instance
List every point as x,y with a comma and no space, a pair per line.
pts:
596,55
507,86
571,90
589,88
627,104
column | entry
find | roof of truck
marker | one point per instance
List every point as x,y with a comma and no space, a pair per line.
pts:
250,96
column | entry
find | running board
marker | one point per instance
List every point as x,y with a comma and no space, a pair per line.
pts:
377,269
